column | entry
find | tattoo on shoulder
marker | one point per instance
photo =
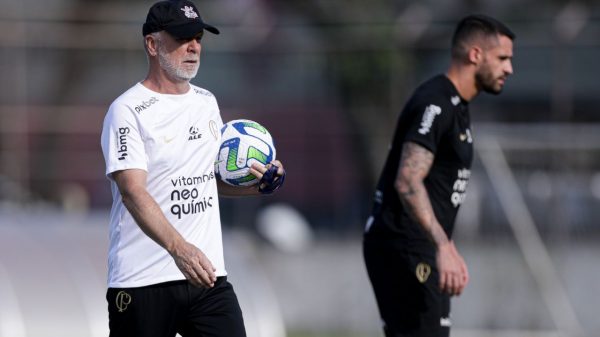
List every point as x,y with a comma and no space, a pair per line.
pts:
416,158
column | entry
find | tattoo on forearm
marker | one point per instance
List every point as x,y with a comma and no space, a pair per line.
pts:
415,164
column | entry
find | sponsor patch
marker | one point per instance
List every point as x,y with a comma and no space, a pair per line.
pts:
428,117
122,142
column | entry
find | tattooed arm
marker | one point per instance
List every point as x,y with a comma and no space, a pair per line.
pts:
414,166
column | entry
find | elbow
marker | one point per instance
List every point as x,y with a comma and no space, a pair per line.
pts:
407,185
131,185
127,195
402,186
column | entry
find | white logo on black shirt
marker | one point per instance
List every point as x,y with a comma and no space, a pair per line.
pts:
445,321
455,100
428,116
466,136
459,189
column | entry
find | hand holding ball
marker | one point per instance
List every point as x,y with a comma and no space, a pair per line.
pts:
243,142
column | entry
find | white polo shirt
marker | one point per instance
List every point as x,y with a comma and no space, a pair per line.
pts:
175,139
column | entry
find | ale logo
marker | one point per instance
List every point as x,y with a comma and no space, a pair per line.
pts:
194,133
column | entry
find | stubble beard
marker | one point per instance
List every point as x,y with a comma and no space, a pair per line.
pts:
488,82
176,71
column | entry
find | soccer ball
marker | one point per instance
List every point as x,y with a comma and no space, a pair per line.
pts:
243,142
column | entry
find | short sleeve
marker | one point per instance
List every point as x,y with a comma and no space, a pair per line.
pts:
431,122
122,143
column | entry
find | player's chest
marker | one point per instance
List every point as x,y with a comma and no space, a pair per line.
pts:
182,139
458,144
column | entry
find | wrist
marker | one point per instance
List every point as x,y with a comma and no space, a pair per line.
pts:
174,245
439,238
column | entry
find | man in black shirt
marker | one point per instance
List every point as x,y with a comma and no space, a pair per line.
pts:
411,260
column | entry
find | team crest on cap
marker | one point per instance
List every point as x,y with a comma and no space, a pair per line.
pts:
189,12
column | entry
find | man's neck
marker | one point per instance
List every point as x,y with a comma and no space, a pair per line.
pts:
164,85
464,81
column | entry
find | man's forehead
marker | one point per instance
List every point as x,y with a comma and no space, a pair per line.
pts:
505,44
497,41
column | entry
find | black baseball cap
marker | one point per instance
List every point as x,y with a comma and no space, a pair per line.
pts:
179,18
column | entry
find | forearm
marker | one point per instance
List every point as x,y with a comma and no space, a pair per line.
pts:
150,218
415,200
226,190
414,167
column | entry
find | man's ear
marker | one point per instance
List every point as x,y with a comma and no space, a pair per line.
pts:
475,55
151,45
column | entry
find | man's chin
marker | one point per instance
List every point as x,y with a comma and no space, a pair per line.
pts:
192,74
493,90
188,75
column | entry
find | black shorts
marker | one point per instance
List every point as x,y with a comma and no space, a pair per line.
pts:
407,291
164,309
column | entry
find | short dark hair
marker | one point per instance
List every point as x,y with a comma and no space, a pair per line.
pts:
474,26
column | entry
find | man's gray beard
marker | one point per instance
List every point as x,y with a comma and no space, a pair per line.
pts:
173,70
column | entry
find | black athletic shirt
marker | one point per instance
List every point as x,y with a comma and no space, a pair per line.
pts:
437,118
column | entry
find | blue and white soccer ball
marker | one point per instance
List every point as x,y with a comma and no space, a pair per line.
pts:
243,142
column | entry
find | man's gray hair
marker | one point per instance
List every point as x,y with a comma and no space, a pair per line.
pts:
157,37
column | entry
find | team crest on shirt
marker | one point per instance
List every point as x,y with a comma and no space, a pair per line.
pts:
422,272
214,129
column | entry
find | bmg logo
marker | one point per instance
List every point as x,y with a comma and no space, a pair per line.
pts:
122,144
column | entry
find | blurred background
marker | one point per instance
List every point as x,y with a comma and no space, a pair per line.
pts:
328,78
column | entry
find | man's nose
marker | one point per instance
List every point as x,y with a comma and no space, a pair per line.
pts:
509,68
194,46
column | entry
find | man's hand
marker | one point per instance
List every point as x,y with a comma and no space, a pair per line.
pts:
194,265
271,176
454,275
